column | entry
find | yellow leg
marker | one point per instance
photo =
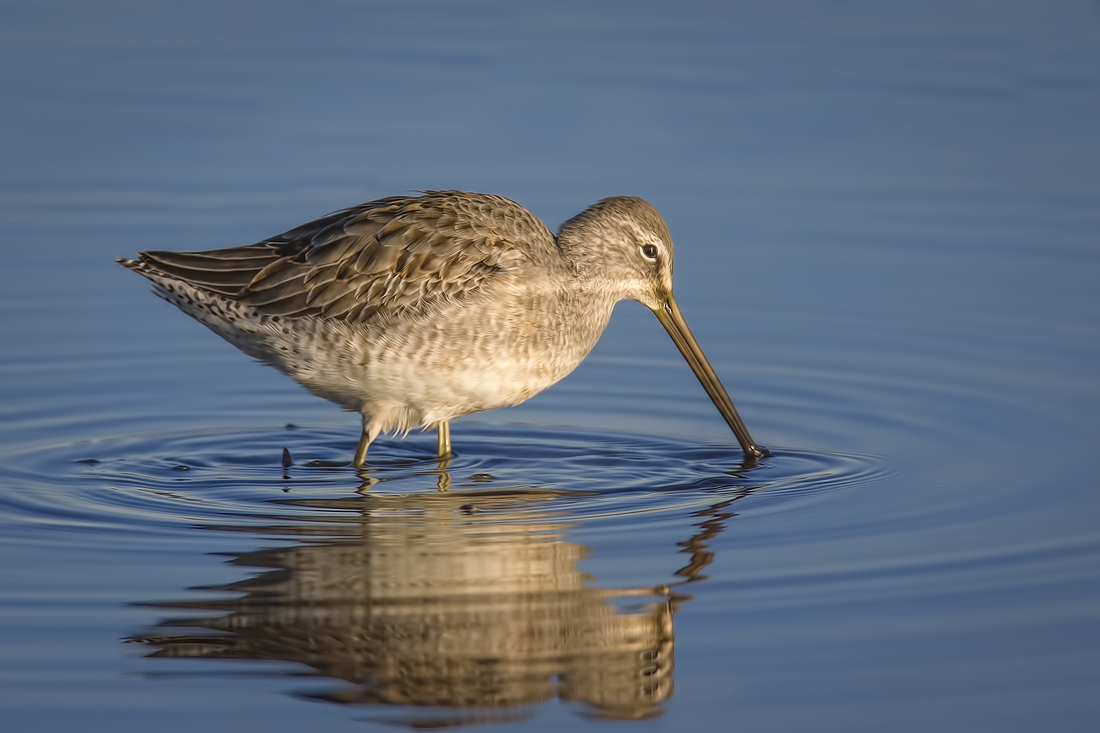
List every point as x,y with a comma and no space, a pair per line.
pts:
365,439
444,430
361,451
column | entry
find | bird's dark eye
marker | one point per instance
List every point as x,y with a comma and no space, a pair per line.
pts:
650,251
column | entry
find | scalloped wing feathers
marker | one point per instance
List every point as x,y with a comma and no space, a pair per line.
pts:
390,255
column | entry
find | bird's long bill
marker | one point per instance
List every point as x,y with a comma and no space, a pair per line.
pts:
670,317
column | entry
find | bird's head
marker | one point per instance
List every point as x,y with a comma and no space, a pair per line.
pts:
622,243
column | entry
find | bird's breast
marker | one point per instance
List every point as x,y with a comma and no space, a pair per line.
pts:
480,354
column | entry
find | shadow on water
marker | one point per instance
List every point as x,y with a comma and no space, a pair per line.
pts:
471,604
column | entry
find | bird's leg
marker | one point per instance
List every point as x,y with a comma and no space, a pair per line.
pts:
444,431
361,451
365,439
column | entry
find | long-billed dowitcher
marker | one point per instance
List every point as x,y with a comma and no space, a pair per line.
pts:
416,310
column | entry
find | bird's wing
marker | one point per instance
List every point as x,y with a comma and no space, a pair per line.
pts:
390,255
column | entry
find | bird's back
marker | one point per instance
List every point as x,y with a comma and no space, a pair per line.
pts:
393,255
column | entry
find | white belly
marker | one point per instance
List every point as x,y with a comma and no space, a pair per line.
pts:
418,373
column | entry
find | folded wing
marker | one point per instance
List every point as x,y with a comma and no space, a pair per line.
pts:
385,256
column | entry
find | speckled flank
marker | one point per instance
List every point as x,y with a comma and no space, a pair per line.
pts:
414,311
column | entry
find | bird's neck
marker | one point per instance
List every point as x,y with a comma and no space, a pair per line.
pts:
579,247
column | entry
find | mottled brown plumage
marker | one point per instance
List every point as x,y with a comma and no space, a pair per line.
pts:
416,310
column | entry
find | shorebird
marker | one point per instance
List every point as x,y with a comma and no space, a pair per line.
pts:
417,310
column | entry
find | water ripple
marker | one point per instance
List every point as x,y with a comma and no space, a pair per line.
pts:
176,481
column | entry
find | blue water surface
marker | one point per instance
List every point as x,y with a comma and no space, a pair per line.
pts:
886,219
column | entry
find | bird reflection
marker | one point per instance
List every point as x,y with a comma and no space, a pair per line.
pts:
464,606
